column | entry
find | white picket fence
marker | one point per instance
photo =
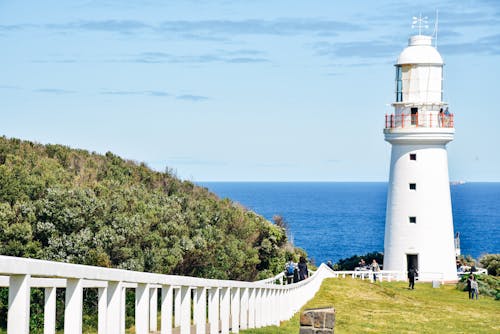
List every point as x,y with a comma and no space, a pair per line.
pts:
187,303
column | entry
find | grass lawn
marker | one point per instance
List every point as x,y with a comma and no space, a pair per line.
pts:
364,307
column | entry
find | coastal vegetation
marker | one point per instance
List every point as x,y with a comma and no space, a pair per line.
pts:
389,307
492,263
70,205
352,262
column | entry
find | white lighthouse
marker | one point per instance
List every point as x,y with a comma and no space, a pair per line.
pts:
419,222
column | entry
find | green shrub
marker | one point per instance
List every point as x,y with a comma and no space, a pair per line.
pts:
67,205
492,263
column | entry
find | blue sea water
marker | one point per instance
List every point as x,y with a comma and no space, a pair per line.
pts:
333,220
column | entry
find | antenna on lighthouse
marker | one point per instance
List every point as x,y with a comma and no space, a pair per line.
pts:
436,30
420,22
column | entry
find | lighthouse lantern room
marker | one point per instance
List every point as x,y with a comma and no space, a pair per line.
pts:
419,222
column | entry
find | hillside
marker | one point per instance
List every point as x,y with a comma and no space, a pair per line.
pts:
63,204
364,307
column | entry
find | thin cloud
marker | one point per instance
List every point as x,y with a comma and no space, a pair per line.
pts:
220,57
56,91
9,87
155,93
204,29
289,26
138,92
276,165
360,49
193,98
489,45
56,61
118,26
191,161
246,60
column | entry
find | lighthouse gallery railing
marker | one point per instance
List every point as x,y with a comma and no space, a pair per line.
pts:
441,120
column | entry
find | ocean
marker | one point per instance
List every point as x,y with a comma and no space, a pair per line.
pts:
335,220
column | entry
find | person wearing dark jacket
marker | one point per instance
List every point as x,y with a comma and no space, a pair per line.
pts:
303,271
469,285
412,272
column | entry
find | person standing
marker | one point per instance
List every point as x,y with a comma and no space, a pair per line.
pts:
474,287
412,272
375,268
469,285
290,267
303,271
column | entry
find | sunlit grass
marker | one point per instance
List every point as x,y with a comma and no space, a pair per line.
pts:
364,307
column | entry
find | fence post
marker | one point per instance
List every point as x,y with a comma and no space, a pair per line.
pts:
177,307
259,308
224,310
18,317
74,306
244,308
200,310
102,310
153,309
235,310
268,307
166,309
113,313
251,307
141,309
213,310
49,311
185,309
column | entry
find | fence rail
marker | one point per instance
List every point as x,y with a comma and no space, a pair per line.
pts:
213,306
187,303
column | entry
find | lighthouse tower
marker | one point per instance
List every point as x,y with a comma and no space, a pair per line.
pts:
419,222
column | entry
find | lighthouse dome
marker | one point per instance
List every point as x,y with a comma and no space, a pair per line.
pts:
420,51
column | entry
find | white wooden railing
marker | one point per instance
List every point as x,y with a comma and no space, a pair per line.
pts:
207,305
187,303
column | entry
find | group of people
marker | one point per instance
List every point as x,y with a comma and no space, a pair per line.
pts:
296,272
472,287
375,267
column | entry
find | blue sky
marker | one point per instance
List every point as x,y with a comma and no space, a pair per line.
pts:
242,90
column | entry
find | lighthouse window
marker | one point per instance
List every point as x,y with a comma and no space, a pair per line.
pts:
399,84
413,186
413,220
413,156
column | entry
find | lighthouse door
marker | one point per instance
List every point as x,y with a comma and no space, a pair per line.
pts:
412,261
414,116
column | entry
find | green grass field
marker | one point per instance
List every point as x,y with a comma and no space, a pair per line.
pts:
364,307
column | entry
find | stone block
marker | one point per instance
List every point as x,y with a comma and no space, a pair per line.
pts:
330,319
306,319
317,321
306,330
323,331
